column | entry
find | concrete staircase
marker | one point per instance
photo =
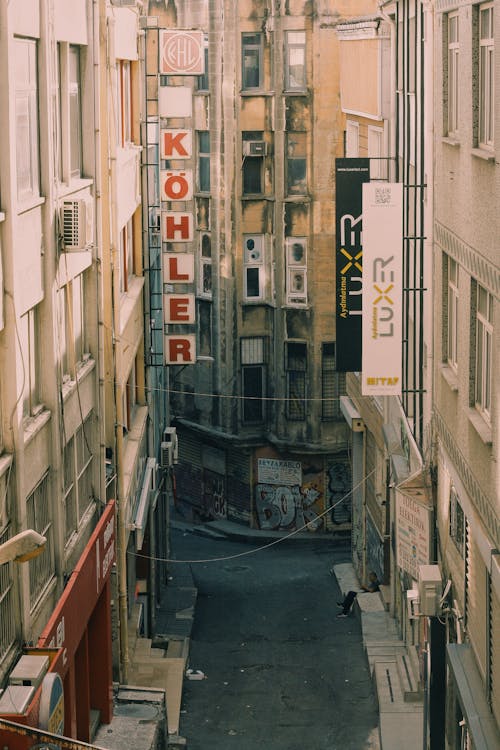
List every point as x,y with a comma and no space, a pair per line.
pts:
161,665
394,667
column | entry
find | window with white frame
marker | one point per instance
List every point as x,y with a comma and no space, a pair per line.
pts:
253,267
124,108
27,129
84,459
253,147
296,163
378,165
253,379
295,61
486,75
203,80
452,317
7,603
296,270
70,112
296,368
41,568
205,266
72,326
78,466
483,350
204,161
352,139
251,61
332,383
126,260
29,366
457,522
452,82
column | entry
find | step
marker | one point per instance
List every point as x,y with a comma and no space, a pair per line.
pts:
409,683
390,692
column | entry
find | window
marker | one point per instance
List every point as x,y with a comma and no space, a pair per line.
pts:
126,260
204,161
253,264
204,328
70,112
27,153
452,319
205,272
252,175
70,501
295,61
457,522
251,61
7,604
253,381
352,139
29,336
296,366
72,319
453,84
296,270
332,383
124,109
296,164
484,338
486,75
78,492
378,165
202,83
38,518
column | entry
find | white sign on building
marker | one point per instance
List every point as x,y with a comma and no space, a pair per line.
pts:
272,471
413,534
382,288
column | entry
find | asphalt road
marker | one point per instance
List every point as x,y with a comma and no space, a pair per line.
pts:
282,673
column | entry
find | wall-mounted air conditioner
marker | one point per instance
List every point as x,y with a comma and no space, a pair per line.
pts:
170,439
77,224
430,588
254,148
413,604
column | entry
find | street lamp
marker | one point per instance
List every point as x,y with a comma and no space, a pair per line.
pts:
22,547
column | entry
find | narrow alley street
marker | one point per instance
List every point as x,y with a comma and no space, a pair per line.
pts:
282,673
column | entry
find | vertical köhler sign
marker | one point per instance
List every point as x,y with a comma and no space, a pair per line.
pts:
350,174
382,289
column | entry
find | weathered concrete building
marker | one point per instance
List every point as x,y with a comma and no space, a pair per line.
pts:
261,437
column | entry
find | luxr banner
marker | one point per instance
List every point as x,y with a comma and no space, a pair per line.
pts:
350,174
382,289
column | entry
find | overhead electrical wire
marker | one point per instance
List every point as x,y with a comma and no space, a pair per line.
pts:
257,549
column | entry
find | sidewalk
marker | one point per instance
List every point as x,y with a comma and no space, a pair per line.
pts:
394,668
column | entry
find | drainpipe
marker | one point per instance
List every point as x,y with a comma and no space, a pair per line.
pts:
393,82
118,386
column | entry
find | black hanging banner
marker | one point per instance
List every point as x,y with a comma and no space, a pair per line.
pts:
349,177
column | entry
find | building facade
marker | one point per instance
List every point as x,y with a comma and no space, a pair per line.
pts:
77,446
261,437
466,350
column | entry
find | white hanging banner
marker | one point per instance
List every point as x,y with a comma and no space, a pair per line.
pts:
382,289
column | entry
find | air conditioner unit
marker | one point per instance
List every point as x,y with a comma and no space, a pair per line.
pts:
254,148
170,438
77,225
29,670
430,586
253,249
166,455
413,604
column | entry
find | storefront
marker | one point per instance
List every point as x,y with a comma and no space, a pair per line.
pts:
78,639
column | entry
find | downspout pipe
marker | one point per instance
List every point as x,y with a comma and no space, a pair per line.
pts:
116,347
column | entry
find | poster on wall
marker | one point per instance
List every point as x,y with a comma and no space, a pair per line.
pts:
413,533
382,289
350,174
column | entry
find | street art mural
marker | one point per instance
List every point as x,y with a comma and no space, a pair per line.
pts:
339,495
214,494
289,495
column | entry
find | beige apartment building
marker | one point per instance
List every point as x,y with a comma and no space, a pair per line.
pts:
261,437
74,439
